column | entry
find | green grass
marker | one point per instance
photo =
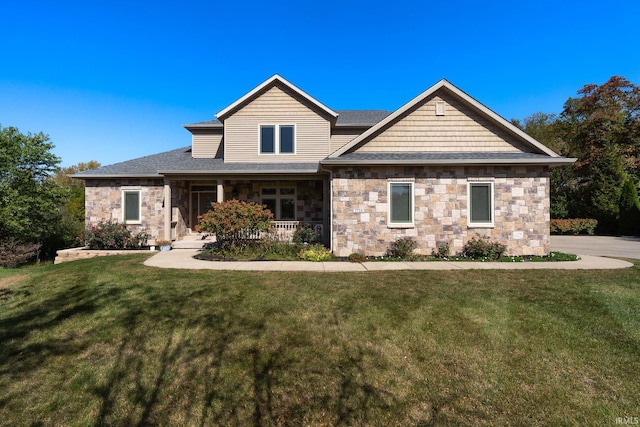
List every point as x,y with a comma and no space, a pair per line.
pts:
108,341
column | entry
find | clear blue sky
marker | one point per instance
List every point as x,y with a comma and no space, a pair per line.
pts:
111,81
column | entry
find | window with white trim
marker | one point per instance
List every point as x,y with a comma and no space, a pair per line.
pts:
400,204
277,139
131,207
481,208
281,201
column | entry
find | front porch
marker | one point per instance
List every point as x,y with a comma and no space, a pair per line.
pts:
294,203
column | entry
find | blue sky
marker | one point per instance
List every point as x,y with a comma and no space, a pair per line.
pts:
111,81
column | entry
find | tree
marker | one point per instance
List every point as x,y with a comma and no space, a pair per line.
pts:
73,212
602,129
30,199
629,223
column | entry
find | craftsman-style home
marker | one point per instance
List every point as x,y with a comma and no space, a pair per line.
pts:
443,168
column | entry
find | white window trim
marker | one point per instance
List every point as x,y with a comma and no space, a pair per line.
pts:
491,224
411,208
278,197
276,139
139,220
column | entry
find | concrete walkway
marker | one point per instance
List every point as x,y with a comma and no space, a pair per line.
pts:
183,258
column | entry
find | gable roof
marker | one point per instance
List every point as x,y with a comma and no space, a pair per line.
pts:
267,84
400,112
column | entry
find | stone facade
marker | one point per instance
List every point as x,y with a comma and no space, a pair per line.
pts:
360,209
103,202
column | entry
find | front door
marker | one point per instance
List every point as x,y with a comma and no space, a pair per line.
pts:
201,198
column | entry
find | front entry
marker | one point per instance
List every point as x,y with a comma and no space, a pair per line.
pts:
201,198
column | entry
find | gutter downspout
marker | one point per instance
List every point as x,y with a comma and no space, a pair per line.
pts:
322,169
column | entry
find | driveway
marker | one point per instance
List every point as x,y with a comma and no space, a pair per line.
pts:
619,247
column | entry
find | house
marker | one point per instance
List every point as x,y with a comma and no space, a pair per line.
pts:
443,168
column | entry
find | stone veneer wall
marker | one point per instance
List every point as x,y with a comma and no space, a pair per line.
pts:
521,208
103,202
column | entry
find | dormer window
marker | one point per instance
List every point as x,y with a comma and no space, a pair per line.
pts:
277,139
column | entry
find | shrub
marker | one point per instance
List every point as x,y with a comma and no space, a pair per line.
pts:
315,253
480,248
14,253
111,235
401,248
442,251
306,234
573,226
235,223
356,257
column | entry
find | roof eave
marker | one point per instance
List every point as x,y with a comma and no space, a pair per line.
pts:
115,175
203,126
551,161
240,172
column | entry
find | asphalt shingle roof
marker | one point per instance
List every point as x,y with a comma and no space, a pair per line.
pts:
180,160
360,117
345,118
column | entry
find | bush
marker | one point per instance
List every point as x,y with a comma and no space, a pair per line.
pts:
356,257
573,226
306,234
315,253
235,223
111,235
401,248
14,253
482,249
442,251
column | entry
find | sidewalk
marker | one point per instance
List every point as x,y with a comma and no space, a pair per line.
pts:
183,258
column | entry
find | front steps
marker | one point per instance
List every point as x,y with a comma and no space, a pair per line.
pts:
192,241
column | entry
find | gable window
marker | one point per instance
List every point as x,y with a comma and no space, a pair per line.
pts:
131,207
277,139
281,202
400,204
480,204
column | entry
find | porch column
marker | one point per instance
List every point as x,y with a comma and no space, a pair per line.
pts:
220,191
167,209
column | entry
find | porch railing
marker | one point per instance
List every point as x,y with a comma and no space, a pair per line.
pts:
284,230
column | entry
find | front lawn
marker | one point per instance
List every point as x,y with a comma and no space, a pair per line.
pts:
108,341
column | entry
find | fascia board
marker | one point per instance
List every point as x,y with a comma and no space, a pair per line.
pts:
555,161
113,175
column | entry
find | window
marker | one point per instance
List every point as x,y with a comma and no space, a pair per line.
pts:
400,204
481,204
277,139
281,202
131,206
267,139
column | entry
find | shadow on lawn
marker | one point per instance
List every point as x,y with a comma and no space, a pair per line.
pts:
20,355
153,358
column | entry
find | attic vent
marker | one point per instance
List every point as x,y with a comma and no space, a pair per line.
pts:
439,108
